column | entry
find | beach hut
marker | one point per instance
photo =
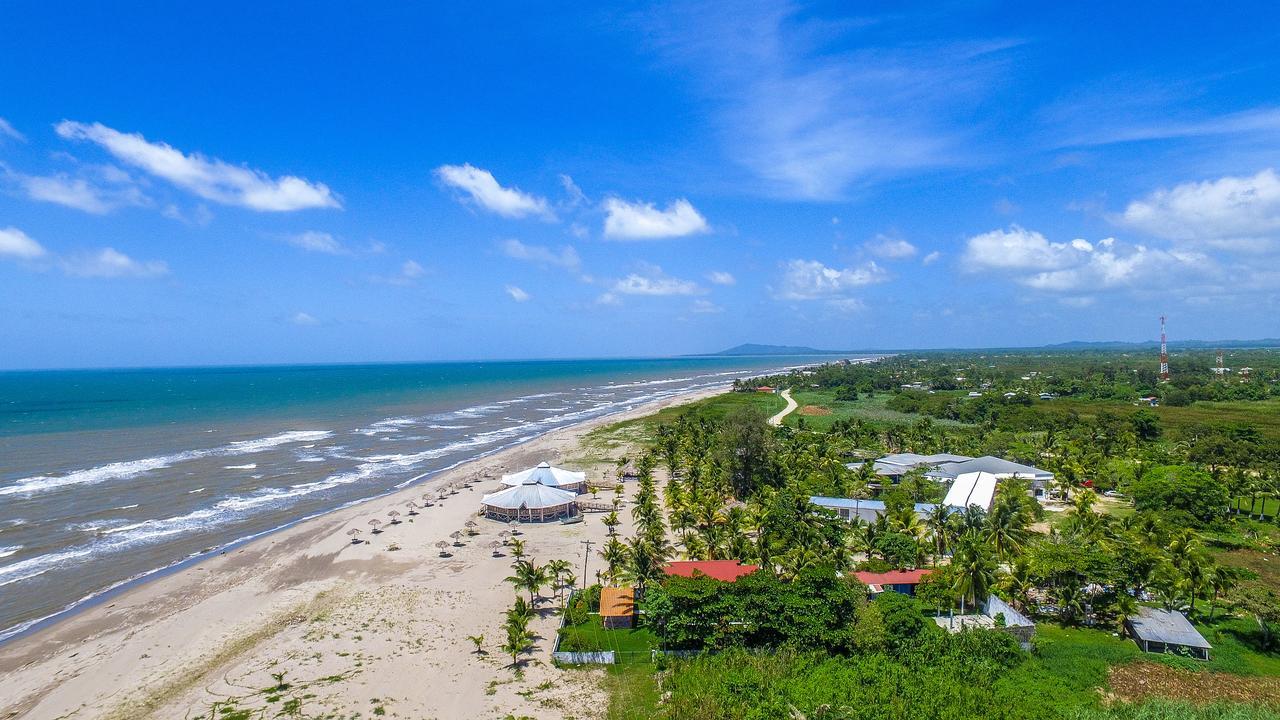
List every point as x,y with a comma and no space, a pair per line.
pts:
617,607
545,474
1167,631
530,502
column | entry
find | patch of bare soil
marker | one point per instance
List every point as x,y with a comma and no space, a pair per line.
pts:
814,410
1138,681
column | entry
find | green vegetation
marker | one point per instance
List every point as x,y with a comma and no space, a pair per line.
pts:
590,635
800,638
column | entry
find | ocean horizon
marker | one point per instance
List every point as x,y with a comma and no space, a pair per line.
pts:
111,475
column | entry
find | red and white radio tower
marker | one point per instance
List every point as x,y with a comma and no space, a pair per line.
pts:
1164,354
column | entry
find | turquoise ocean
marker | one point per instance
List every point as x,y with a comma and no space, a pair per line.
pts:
109,476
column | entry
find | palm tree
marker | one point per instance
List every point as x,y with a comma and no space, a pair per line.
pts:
478,641
1006,529
517,548
614,554
612,522
1222,579
519,639
975,570
937,522
1070,603
560,572
528,576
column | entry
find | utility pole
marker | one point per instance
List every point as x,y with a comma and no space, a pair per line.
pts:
586,556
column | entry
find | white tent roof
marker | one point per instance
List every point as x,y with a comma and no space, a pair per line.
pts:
532,495
544,474
975,488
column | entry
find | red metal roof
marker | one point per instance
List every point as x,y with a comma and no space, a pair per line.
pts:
726,570
893,577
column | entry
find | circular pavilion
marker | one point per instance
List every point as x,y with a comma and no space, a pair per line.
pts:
545,474
530,501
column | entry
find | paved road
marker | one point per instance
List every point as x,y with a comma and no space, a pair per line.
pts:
791,405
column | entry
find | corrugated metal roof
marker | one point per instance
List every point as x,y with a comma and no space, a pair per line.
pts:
993,465
1168,627
854,504
977,488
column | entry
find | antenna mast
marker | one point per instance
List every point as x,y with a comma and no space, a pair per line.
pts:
1164,354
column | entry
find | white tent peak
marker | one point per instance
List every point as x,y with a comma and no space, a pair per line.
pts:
545,474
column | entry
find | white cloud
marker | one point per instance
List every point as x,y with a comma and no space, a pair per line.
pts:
95,189
931,258
485,191
1239,213
811,121
651,280
811,280
302,318
566,257
892,248
705,307
111,263
518,294
9,131
16,244
1031,260
209,178
1016,249
409,272
576,196
608,299
644,221
719,277
315,241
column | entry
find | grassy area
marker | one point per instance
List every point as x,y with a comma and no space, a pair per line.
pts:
1267,506
871,409
591,636
633,692
715,407
1064,678
1263,415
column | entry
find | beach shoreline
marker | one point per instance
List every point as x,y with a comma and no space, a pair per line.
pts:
156,646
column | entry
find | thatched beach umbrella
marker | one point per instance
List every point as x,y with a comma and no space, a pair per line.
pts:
457,538
515,527
355,536
496,547
427,498
471,527
413,507
444,548
375,523
395,517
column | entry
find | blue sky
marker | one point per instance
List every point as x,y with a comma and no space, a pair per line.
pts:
252,182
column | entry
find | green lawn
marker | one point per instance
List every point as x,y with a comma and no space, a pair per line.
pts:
871,409
1267,506
591,636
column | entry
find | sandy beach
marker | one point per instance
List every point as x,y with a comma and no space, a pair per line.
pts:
345,630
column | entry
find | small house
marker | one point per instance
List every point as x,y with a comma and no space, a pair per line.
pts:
617,607
903,582
1167,631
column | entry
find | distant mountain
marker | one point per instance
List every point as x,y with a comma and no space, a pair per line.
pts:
754,349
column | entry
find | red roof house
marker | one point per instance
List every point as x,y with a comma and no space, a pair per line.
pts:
723,570
901,581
